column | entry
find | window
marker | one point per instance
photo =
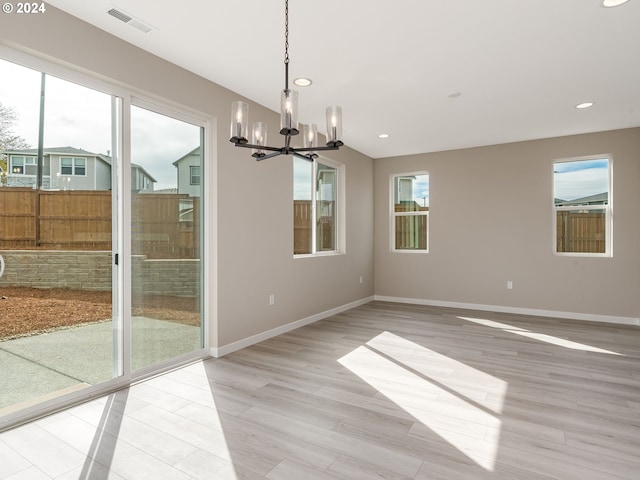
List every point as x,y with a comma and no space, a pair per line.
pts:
582,206
80,166
17,165
66,166
410,212
194,175
73,166
185,210
315,206
26,165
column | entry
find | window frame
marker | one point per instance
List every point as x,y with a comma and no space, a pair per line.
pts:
608,208
123,97
13,166
74,166
192,176
340,208
77,166
393,214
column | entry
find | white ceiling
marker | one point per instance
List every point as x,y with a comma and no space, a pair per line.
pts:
521,66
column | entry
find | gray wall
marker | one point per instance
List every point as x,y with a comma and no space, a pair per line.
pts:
255,230
491,221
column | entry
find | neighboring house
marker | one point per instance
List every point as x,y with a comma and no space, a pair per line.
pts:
141,180
63,168
598,199
404,189
189,172
189,179
68,168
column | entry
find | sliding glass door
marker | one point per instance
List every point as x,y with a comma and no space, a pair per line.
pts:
166,194
101,238
58,331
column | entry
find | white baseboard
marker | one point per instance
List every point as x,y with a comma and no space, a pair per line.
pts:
260,337
515,310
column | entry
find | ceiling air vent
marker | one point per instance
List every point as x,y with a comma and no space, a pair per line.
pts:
129,20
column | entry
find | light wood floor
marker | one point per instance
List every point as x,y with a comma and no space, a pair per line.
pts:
383,391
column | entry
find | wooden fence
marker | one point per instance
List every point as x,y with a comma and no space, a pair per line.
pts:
163,225
302,221
582,232
302,218
411,230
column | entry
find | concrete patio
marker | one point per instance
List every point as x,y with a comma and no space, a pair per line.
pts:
38,366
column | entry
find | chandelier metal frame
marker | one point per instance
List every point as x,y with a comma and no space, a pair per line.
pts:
288,122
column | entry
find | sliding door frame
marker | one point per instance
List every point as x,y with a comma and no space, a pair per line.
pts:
122,99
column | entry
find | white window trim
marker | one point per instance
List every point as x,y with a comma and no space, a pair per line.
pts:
73,167
191,167
608,253
341,223
10,165
393,214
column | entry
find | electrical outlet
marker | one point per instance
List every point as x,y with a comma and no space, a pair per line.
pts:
272,299
361,281
509,285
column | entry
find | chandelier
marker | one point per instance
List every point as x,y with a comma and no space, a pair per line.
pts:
288,121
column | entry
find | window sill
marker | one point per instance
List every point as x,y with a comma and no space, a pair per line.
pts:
410,251
334,253
582,255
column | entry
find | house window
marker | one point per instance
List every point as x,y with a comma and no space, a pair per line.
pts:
73,166
185,210
315,207
582,206
410,212
80,166
25,165
66,166
17,165
194,175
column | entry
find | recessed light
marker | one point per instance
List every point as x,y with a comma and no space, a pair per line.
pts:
302,82
384,135
613,3
580,106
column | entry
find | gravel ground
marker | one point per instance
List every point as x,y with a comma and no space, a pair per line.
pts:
27,311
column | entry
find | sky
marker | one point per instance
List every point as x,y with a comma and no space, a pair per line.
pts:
80,117
421,190
581,178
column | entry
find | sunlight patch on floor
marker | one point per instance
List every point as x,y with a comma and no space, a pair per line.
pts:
561,342
399,370
453,375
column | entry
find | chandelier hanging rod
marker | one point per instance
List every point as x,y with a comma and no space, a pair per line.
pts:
288,122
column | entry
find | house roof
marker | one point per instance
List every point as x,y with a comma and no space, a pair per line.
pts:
192,153
597,199
57,150
135,165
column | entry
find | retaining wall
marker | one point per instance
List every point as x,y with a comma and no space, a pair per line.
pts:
84,270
